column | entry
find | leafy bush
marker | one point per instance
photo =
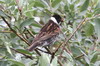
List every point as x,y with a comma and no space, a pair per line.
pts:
78,44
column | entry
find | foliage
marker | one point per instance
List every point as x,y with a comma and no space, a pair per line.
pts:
25,19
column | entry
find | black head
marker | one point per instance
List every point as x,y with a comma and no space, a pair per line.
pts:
58,18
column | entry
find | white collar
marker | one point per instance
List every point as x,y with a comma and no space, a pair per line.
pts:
54,20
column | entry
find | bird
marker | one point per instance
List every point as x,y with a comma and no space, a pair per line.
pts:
48,33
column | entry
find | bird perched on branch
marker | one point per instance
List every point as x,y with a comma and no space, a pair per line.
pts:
48,33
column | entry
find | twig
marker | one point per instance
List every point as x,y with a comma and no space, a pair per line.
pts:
42,50
60,44
5,31
78,27
22,53
79,56
21,33
67,50
66,42
58,48
37,52
52,57
26,35
60,63
98,15
48,50
53,53
19,7
29,32
15,31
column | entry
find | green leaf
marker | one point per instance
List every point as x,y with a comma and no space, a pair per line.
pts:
98,4
72,7
97,11
89,29
69,57
38,4
27,22
2,14
21,3
87,60
7,1
1,1
66,8
16,62
79,36
97,27
85,5
3,63
75,51
24,51
55,3
36,25
13,35
45,3
8,47
47,11
93,60
29,14
44,60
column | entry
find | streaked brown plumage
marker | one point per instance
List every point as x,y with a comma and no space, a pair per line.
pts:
47,34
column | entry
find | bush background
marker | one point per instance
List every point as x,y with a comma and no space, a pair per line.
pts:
26,17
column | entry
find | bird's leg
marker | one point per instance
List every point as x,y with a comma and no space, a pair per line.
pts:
42,51
48,50
36,50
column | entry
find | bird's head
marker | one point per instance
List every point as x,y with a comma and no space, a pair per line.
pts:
58,18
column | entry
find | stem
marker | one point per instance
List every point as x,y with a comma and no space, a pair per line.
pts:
22,53
29,32
78,27
15,31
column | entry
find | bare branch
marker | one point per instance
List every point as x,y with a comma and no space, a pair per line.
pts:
66,42
5,31
60,63
15,31
79,56
29,32
78,27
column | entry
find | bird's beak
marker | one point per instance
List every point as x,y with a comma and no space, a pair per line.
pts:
62,20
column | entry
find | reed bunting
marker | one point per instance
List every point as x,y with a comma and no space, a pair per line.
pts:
48,33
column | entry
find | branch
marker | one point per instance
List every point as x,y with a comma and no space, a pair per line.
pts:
48,50
79,56
5,31
36,50
29,32
15,31
22,53
66,42
19,7
52,57
78,27
42,51
60,63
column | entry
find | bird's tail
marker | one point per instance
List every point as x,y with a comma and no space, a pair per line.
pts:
32,47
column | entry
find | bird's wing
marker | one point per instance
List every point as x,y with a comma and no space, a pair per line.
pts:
49,30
